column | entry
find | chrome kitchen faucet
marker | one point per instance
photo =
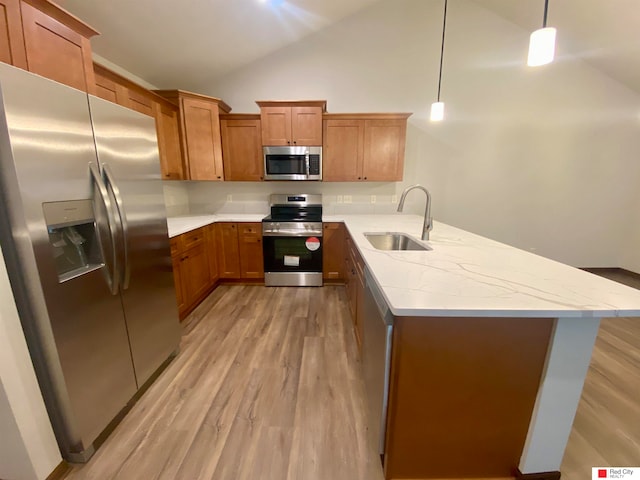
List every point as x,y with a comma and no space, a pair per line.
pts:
428,220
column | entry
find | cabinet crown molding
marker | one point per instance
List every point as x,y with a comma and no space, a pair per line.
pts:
293,103
174,96
64,17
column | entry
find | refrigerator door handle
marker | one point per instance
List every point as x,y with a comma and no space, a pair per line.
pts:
111,277
123,223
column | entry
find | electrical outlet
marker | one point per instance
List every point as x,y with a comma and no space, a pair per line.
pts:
339,199
347,199
373,199
394,198
229,198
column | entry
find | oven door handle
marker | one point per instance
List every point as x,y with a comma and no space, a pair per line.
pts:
308,233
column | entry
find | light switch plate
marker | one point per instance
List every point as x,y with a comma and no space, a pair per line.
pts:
347,199
229,198
339,199
394,198
373,199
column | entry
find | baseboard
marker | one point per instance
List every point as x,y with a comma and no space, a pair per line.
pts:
60,472
537,476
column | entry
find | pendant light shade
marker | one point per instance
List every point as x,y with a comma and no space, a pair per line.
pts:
437,111
437,108
542,47
542,43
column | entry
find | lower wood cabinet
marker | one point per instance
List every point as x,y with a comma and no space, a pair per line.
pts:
333,257
191,271
354,266
240,250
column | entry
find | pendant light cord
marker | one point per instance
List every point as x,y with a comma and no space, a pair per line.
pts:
546,9
444,27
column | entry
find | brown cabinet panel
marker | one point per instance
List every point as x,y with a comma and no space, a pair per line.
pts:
11,38
109,89
56,51
169,142
212,253
384,142
228,252
242,149
195,266
364,147
201,127
140,103
306,126
276,125
250,250
292,122
333,253
178,280
343,150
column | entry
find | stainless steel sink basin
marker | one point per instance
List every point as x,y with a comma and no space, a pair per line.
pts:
394,241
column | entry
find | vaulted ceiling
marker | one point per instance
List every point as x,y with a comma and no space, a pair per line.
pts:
171,43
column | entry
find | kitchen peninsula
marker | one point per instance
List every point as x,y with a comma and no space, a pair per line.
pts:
491,345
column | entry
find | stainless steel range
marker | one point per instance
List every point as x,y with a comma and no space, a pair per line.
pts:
292,241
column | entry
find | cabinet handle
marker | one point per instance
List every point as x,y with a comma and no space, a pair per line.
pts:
219,176
365,178
359,178
261,178
288,142
294,142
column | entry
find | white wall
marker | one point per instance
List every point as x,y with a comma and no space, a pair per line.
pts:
544,159
28,448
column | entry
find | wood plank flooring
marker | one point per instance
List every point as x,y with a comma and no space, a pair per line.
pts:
267,386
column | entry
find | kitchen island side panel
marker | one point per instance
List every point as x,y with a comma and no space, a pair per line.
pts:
462,393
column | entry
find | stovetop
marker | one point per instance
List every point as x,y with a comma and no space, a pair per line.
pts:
295,208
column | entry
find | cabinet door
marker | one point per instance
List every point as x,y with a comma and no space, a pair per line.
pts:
140,103
178,279
384,142
228,253
11,38
342,152
333,251
195,268
169,142
306,126
109,89
242,150
275,125
212,253
202,139
56,51
250,246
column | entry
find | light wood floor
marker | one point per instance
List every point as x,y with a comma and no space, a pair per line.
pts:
267,386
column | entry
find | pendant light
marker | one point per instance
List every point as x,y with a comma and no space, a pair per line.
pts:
542,43
437,108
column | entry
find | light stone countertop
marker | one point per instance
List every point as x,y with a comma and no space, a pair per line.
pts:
466,274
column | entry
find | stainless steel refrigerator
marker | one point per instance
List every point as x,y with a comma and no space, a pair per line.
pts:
84,232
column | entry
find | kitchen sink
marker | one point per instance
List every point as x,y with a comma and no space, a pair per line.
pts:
394,241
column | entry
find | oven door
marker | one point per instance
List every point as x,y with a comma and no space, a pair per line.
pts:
292,260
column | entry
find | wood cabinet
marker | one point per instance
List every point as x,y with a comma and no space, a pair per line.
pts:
355,288
228,251
240,250
191,269
56,44
241,147
118,89
292,123
250,250
199,133
333,251
364,147
11,38
212,253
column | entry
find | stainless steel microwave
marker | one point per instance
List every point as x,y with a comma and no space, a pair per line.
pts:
292,163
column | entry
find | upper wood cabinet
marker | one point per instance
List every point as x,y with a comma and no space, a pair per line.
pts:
199,133
56,44
292,123
118,89
241,147
11,38
364,147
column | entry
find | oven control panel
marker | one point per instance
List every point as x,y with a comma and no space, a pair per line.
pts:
292,229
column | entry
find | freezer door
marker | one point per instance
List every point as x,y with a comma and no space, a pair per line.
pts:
127,148
75,327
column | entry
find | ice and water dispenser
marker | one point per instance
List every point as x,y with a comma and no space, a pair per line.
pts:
73,237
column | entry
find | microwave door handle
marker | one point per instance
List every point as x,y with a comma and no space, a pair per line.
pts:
101,191
306,164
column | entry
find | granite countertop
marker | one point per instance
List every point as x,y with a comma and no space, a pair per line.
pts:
465,274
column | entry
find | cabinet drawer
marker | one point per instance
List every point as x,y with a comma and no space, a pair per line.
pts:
250,229
176,245
192,238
